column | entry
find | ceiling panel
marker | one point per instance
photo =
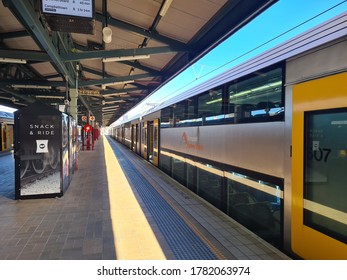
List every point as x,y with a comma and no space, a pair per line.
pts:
138,13
192,16
9,22
45,68
21,43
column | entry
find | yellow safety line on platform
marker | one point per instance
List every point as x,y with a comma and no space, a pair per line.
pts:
133,236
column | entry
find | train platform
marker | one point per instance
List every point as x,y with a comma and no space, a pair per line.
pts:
119,206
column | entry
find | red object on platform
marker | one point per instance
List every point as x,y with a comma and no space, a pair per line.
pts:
87,128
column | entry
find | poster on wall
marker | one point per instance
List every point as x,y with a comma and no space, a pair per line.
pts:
39,154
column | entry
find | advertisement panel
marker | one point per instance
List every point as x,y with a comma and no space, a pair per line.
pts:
39,155
43,150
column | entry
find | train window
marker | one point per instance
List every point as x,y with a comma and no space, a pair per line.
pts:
191,112
209,186
191,177
179,171
180,113
325,165
255,204
257,98
210,106
166,117
184,113
165,163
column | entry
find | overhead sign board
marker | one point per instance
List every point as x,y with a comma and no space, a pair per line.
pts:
68,8
75,16
89,92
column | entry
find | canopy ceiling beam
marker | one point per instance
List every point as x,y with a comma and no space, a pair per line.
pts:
16,94
115,79
26,13
27,55
90,55
14,34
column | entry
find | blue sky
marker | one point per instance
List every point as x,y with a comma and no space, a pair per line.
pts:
279,18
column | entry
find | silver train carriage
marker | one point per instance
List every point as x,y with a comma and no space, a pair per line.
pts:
265,142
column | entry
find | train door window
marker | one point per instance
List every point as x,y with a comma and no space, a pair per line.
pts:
144,140
128,136
257,98
123,134
325,165
210,107
133,138
150,147
138,139
156,142
210,185
257,205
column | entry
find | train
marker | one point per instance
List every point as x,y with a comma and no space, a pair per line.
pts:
265,142
6,131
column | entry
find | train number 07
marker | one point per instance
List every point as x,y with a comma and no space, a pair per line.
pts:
319,154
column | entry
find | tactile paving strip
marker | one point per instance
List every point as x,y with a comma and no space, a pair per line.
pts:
183,242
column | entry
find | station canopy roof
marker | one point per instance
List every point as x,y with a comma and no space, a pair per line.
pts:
148,42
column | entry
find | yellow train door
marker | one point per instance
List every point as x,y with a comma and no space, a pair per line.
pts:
319,168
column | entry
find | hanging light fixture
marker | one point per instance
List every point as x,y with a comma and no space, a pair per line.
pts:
12,60
125,58
106,31
165,7
107,34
